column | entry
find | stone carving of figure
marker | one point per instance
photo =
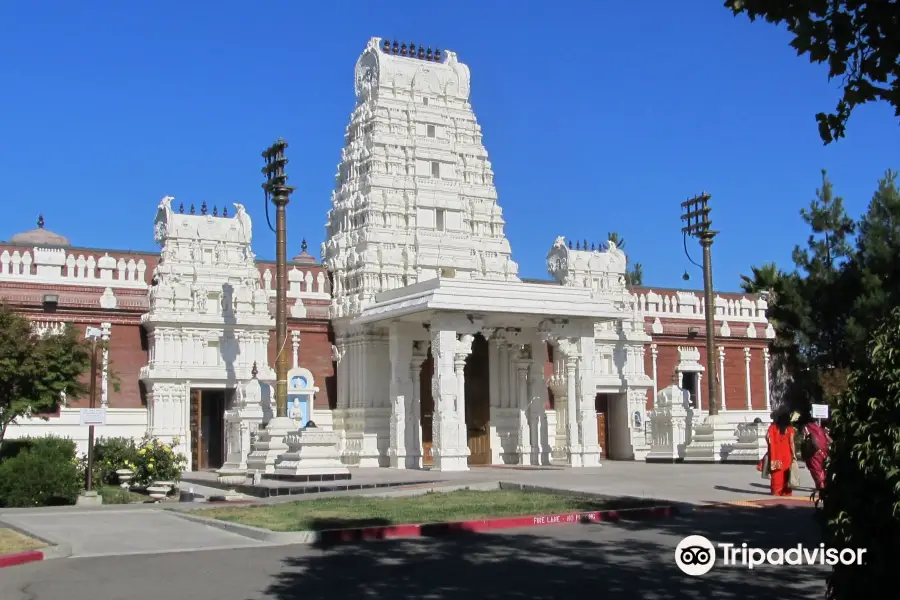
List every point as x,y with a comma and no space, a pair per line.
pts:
245,225
195,250
199,299
163,219
220,252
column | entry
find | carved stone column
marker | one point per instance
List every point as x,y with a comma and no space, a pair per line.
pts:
523,364
747,377
537,400
105,330
654,355
450,447
414,427
295,348
400,351
721,375
698,390
569,348
767,382
587,414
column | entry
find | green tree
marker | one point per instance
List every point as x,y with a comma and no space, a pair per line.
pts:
761,279
808,307
861,499
875,266
35,371
634,276
857,39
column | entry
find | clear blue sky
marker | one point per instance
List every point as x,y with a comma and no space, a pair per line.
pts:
598,116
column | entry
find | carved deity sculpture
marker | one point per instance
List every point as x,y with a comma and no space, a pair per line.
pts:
163,219
245,225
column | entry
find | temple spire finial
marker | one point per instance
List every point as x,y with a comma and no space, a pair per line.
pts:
254,371
40,221
303,245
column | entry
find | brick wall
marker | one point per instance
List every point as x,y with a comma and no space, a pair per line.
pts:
126,357
735,370
315,354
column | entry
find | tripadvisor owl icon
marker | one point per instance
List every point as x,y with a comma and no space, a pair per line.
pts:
695,555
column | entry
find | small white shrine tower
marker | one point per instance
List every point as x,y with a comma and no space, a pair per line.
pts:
207,326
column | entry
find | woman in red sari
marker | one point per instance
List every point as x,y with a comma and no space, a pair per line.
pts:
780,439
815,450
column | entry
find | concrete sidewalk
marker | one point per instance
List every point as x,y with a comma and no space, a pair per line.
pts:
148,529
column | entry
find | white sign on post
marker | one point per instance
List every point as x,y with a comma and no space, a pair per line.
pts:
93,416
819,411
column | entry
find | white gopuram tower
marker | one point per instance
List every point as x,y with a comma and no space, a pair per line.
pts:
208,321
414,200
414,197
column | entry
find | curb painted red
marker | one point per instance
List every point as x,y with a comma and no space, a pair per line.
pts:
334,536
20,558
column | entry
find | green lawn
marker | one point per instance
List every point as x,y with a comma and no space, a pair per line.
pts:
433,507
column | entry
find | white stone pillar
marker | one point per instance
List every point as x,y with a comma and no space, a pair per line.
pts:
747,375
654,355
523,448
400,353
512,395
537,392
587,414
573,450
414,428
503,374
105,330
493,373
698,390
721,375
295,348
449,447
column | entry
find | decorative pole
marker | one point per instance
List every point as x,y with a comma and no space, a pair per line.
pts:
699,225
279,192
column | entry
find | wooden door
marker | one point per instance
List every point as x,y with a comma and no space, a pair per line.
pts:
602,406
196,408
478,403
426,406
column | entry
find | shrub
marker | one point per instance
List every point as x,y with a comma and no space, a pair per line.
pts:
41,475
51,443
156,461
861,499
115,495
112,454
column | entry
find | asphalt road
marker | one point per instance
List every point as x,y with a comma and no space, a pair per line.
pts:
628,561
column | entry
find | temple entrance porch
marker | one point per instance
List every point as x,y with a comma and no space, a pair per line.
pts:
452,373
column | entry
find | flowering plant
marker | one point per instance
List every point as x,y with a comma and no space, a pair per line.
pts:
157,461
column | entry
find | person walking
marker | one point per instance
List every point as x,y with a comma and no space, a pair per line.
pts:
780,440
814,450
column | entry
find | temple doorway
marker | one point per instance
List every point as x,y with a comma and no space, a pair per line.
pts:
601,405
426,409
208,407
478,405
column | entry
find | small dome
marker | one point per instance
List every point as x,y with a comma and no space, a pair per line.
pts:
304,256
40,237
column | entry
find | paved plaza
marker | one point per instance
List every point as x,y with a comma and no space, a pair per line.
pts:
624,561
147,528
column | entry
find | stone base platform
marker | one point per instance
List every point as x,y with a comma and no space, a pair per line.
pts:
271,487
308,477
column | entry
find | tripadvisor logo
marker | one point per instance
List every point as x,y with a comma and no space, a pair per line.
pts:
695,555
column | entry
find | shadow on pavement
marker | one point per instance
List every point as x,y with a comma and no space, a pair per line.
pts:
626,560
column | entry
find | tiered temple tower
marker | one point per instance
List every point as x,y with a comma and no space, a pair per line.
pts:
414,196
208,321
